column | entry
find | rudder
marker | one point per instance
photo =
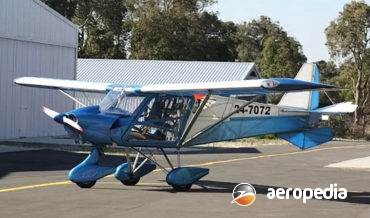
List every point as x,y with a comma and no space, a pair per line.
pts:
308,100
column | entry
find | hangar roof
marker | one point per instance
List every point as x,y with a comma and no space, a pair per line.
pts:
155,71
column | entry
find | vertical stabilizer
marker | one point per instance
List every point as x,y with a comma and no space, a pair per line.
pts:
306,100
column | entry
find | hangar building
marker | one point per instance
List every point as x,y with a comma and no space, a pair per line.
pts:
34,41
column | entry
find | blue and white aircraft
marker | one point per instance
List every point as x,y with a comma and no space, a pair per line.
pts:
180,115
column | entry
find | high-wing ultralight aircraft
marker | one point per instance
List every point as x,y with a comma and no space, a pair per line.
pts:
180,115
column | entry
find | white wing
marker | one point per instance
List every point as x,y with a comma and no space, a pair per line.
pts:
62,84
257,86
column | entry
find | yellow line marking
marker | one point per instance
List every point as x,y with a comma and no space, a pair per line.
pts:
67,182
192,165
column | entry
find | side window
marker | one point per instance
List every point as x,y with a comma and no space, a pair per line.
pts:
162,119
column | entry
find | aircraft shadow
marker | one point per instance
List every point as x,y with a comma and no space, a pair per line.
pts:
209,186
46,160
49,160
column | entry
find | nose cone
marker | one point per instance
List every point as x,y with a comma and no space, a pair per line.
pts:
59,118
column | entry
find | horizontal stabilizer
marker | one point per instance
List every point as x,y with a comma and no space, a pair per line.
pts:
344,107
309,138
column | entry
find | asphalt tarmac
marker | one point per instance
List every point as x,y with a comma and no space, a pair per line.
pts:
34,183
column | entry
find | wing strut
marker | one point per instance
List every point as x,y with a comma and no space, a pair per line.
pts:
254,99
71,97
194,118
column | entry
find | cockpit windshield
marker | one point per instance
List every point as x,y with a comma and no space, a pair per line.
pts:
114,102
118,103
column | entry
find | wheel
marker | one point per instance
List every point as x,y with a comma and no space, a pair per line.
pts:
86,184
130,182
182,188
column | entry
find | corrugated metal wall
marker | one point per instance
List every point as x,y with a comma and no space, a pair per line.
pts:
34,41
141,72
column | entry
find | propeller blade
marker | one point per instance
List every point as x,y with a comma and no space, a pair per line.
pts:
61,118
49,112
72,123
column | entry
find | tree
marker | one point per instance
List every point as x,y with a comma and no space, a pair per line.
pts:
267,44
178,30
228,39
102,32
66,8
348,39
251,37
330,74
281,56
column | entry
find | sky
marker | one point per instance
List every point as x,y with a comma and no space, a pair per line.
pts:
305,20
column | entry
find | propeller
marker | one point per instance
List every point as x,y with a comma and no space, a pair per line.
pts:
61,118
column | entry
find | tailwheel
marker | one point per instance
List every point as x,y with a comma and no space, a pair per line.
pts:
131,181
86,184
182,188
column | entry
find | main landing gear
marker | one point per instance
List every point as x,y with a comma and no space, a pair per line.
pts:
180,178
89,171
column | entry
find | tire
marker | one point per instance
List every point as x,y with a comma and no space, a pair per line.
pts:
130,182
182,188
86,184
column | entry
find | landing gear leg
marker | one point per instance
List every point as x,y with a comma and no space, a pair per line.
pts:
130,173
